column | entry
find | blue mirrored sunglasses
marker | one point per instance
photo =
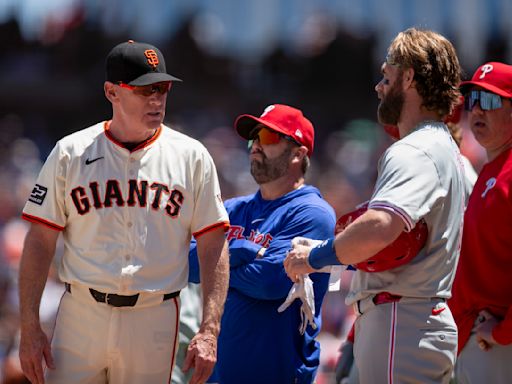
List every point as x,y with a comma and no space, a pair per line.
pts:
488,101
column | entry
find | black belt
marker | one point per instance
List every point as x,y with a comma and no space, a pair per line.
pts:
116,300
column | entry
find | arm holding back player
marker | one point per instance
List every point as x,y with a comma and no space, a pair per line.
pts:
37,256
213,258
257,271
248,268
366,236
241,252
379,226
264,278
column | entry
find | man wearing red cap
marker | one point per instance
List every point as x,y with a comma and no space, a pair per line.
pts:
257,343
482,291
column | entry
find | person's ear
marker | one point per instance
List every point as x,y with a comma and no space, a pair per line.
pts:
407,78
110,91
301,152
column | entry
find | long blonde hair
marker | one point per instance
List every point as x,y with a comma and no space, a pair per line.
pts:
436,67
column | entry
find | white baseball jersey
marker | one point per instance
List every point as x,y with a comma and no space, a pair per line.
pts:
420,177
127,216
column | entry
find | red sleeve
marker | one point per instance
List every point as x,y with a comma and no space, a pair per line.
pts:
502,333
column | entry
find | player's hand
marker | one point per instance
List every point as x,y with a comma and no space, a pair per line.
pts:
484,330
202,356
34,346
296,262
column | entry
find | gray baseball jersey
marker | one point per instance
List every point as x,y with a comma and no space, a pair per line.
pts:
414,338
420,177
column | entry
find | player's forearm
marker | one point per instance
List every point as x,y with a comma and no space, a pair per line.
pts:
214,267
35,262
263,279
368,235
242,252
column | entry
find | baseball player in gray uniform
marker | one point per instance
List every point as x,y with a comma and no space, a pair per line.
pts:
405,332
127,195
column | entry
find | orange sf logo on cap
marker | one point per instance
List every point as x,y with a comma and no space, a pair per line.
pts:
152,57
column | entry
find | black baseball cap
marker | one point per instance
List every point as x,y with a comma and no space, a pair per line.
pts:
136,63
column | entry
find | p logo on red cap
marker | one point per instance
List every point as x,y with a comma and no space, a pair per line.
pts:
267,110
486,68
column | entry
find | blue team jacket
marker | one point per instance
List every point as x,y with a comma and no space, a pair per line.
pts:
256,343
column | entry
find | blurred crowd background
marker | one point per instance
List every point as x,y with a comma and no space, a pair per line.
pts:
235,57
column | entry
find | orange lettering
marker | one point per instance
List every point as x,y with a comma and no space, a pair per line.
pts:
152,57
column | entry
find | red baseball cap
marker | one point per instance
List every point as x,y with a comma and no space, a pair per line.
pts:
283,119
495,77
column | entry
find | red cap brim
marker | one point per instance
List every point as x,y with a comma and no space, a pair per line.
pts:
466,84
244,124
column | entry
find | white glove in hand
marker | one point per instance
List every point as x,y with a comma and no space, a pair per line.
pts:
306,241
302,290
334,270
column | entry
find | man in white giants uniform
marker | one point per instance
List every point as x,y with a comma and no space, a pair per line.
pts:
127,194
405,332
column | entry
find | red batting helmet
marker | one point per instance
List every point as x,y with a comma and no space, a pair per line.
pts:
392,130
398,253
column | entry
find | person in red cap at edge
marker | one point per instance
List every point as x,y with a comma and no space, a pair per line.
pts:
266,336
482,290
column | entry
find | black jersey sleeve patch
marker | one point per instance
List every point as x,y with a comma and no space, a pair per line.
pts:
38,194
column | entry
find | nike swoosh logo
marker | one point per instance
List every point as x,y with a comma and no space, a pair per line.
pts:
437,311
256,221
87,161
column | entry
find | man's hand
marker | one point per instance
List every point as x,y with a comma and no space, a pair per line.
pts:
296,263
484,330
34,346
35,263
214,268
201,356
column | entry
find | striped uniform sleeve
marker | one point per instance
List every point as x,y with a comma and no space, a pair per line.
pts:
408,184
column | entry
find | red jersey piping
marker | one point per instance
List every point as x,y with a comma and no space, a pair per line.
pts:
144,144
34,219
224,224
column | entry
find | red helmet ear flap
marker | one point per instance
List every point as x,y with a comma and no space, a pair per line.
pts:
398,253
392,130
